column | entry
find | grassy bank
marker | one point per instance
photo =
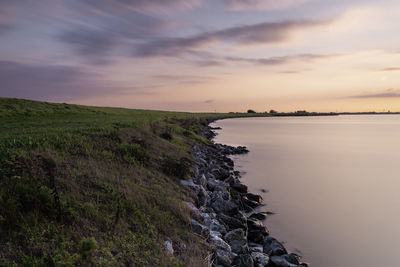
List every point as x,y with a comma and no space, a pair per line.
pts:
95,186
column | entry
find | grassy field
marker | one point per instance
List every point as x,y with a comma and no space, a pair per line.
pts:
95,186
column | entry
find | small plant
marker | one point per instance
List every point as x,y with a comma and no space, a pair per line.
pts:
87,247
167,134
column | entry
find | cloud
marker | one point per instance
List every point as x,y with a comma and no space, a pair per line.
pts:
148,5
49,82
389,93
389,69
262,33
209,101
238,5
283,59
97,43
93,44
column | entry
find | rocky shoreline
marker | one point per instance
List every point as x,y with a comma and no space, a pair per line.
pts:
224,212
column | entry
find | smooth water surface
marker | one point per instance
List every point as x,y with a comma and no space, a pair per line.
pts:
334,183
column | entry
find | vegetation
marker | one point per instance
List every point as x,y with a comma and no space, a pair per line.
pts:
93,186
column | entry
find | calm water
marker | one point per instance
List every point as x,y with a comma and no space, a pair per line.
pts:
334,183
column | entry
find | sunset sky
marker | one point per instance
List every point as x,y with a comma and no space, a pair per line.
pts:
203,55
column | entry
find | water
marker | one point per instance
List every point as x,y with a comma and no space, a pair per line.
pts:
334,183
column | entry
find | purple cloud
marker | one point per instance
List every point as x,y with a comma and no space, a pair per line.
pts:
261,4
283,59
262,33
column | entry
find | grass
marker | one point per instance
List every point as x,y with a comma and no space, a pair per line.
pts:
95,186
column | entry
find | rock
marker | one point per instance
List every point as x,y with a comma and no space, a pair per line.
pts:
273,247
200,180
250,203
233,222
192,208
239,246
287,260
224,206
239,187
236,234
244,260
255,247
168,246
260,259
257,225
254,197
220,195
258,216
200,229
222,257
218,243
202,196
215,225
255,236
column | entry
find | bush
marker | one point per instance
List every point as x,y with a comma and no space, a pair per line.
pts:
87,247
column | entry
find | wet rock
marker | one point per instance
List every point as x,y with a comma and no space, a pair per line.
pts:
257,225
254,197
239,187
258,216
250,203
273,247
260,259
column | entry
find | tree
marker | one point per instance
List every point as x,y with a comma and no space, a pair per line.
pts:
272,111
251,111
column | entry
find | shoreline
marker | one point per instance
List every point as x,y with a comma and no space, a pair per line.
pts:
224,211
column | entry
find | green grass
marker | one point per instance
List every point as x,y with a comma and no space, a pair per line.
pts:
95,186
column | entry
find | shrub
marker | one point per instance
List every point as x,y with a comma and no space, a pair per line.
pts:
87,247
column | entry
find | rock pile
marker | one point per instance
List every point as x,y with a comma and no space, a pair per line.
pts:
225,213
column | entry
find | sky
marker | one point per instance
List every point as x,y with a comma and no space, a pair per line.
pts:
203,55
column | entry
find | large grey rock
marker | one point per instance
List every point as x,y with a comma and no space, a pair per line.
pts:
273,247
236,234
222,258
195,210
244,260
260,259
200,229
218,243
224,195
233,222
224,206
239,246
